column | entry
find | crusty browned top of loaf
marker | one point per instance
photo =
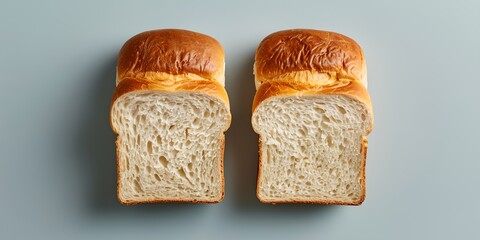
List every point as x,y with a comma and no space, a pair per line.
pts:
300,55
170,51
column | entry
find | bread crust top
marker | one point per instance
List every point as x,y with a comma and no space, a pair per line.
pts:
171,51
308,56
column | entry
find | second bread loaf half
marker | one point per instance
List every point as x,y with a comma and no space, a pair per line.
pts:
312,112
170,111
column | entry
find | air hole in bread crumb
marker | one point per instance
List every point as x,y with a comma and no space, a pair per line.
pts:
325,126
182,173
302,148
157,177
138,187
211,103
149,147
163,161
149,169
301,132
319,110
189,166
325,118
342,110
159,140
138,139
196,122
137,169
330,141
196,110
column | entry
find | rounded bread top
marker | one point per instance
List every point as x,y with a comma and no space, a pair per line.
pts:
153,54
311,57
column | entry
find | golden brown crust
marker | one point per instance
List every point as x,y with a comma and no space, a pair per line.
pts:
259,172
273,202
310,52
211,88
171,51
222,171
130,202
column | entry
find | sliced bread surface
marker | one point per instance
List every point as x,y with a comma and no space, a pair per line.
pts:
170,146
312,149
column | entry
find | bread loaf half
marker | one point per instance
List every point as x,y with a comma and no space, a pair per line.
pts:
170,111
312,112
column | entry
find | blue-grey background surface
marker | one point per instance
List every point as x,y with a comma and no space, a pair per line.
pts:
57,152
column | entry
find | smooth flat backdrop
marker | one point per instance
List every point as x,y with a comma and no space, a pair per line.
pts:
57,152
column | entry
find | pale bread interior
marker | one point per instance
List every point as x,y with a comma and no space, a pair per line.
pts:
311,148
170,146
